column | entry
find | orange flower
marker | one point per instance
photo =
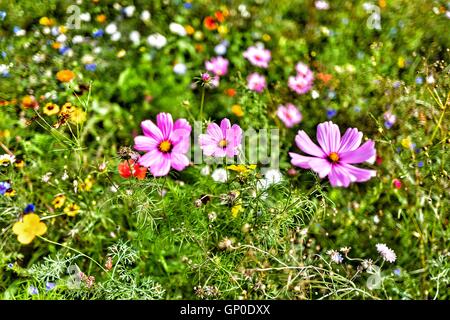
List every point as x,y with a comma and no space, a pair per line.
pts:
324,77
65,75
30,102
237,110
230,92
210,23
130,168
101,18
219,16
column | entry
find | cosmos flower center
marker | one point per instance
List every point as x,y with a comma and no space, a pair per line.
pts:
334,157
165,146
223,143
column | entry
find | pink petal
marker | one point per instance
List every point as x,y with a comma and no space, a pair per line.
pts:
144,143
161,166
182,124
363,153
179,161
165,123
329,137
321,166
339,176
358,174
231,150
307,146
148,159
181,140
225,126
301,161
351,140
237,134
219,152
151,130
214,131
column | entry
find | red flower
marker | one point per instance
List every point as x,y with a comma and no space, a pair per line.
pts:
230,92
210,23
128,168
219,16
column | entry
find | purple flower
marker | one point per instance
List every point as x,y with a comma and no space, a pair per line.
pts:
386,253
90,67
289,114
221,141
4,186
390,119
335,155
165,144
49,285
218,66
256,82
32,290
331,113
98,33
258,56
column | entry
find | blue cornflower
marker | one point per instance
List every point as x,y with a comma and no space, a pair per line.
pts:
388,124
4,186
10,265
63,49
420,164
33,290
331,113
397,272
187,5
98,33
29,208
419,80
90,67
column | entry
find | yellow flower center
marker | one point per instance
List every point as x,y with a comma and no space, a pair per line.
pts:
334,157
165,146
223,143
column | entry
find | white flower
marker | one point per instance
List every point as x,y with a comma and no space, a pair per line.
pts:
5,158
220,49
129,11
46,177
315,94
430,79
271,176
97,50
335,256
145,15
135,37
205,171
177,29
87,59
55,31
61,38
111,28
46,30
157,40
179,68
4,68
116,36
77,39
220,175
386,253
86,16
322,5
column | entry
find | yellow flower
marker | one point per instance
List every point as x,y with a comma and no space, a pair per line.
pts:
266,37
222,30
121,53
56,45
237,110
242,168
87,184
51,109
67,108
71,210
45,21
236,209
189,30
5,133
19,163
77,116
406,143
28,228
58,201
10,193
401,62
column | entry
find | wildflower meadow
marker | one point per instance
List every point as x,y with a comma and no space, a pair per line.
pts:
224,150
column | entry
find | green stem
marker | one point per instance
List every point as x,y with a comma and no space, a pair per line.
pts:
202,103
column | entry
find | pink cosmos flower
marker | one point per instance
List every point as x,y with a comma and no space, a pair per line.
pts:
303,81
221,141
335,155
217,65
165,144
256,82
258,56
289,114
